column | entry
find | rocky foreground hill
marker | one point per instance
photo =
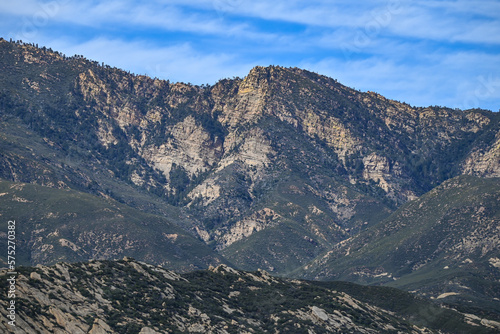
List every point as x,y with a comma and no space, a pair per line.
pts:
132,297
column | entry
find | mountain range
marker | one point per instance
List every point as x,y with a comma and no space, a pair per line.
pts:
284,170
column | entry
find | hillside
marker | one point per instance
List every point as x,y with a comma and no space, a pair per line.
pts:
444,245
127,296
54,225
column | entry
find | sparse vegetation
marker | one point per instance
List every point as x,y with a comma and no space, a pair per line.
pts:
133,295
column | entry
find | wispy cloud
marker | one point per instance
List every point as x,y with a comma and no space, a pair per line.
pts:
126,15
446,24
446,80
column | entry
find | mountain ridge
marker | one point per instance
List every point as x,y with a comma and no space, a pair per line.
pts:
147,132
127,296
270,171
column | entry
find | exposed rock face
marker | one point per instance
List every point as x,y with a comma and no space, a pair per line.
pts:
376,168
208,192
330,129
484,161
106,297
190,147
249,101
252,148
386,176
245,228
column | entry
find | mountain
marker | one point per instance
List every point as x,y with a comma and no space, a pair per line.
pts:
128,296
284,170
270,171
444,245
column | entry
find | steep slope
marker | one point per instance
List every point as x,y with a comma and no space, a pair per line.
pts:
484,158
29,158
271,170
131,297
55,225
444,245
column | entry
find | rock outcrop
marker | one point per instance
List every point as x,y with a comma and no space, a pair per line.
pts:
126,296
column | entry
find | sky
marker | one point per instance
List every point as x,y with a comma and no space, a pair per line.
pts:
422,52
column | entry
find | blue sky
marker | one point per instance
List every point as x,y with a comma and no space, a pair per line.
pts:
423,52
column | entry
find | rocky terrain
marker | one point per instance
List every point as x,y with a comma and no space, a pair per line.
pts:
283,154
284,170
132,297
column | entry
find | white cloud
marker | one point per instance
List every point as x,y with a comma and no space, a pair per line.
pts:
486,8
446,21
